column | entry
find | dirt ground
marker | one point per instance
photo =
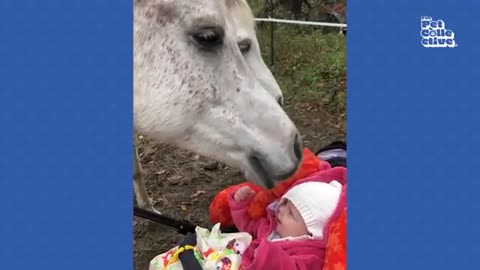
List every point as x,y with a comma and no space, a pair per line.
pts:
182,187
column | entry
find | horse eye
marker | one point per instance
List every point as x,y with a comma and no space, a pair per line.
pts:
208,38
245,46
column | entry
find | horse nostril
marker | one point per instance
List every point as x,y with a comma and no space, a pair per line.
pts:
280,100
297,147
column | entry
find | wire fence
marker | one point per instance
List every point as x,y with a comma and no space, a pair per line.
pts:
327,24
298,22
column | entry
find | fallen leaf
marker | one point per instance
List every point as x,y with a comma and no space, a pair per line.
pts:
161,172
174,179
183,205
197,193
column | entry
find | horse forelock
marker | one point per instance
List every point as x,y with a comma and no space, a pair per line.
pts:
242,12
231,3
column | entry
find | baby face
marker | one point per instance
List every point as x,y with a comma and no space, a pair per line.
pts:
289,220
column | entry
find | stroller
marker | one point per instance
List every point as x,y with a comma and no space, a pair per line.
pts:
334,153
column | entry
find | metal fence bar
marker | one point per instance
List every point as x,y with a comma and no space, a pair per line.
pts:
301,22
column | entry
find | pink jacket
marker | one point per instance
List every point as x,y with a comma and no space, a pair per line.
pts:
279,255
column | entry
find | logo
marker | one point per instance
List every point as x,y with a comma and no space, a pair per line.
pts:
435,34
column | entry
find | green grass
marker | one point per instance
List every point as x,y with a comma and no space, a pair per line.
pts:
308,65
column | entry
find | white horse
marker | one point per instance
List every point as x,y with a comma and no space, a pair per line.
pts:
248,43
193,88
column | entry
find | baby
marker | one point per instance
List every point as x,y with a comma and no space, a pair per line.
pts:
292,235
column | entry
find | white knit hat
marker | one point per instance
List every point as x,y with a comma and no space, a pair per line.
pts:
316,202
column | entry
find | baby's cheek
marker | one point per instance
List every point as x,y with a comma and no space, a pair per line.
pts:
303,228
295,229
279,229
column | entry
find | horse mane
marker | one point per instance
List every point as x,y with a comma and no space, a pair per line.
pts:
232,3
243,10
